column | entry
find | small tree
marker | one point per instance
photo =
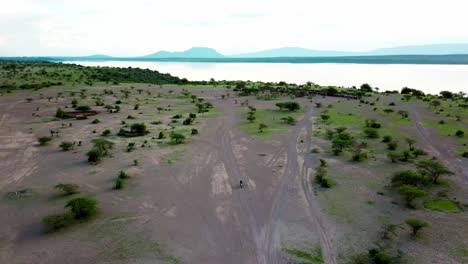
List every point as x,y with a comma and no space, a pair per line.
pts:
161,135
44,140
416,225
194,131
67,145
407,177
60,113
177,138
119,183
411,193
432,168
106,133
261,127
67,188
83,207
371,133
410,142
289,120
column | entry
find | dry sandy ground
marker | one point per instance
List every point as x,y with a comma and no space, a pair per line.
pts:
192,208
182,201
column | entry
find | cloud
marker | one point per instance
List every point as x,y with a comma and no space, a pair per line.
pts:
118,27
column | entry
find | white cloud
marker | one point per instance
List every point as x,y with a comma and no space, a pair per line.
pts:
53,27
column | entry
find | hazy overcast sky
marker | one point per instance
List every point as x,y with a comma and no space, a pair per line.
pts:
138,27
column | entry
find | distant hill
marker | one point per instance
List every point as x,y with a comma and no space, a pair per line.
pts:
195,52
97,56
292,52
436,49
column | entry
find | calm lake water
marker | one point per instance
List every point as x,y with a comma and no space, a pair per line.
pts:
428,78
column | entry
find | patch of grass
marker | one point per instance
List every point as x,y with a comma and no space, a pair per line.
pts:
271,118
442,206
312,257
462,252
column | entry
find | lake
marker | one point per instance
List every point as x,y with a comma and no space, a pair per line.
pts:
428,78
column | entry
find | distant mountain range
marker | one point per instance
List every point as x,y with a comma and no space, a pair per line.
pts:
203,52
195,52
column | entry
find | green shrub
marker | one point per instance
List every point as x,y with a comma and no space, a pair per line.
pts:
392,145
371,133
83,108
67,145
194,131
119,183
44,140
459,133
106,133
387,139
177,138
411,193
95,121
68,188
58,221
123,175
407,177
416,225
83,207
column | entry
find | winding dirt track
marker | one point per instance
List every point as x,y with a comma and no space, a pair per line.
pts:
263,230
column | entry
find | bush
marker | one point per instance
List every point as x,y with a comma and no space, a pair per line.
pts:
411,193
106,133
289,120
119,184
359,155
291,106
371,133
416,225
407,177
44,140
194,131
188,121
57,221
459,133
161,135
177,138
465,154
67,145
387,139
123,175
95,121
83,207
60,113
83,108
392,145
68,188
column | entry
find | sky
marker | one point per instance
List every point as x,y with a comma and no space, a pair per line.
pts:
140,27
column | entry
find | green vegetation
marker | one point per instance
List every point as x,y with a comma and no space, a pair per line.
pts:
273,119
442,206
100,149
81,209
67,188
416,225
310,257
67,145
44,140
433,169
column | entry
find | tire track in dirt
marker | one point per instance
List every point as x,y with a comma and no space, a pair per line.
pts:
292,170
326,242
441,151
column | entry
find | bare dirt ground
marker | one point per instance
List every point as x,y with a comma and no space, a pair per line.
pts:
183,203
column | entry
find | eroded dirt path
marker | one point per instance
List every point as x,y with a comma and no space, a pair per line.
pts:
263,231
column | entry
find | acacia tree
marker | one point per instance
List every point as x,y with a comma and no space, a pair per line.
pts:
416,225
411,193
410,142
261,127
433,168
